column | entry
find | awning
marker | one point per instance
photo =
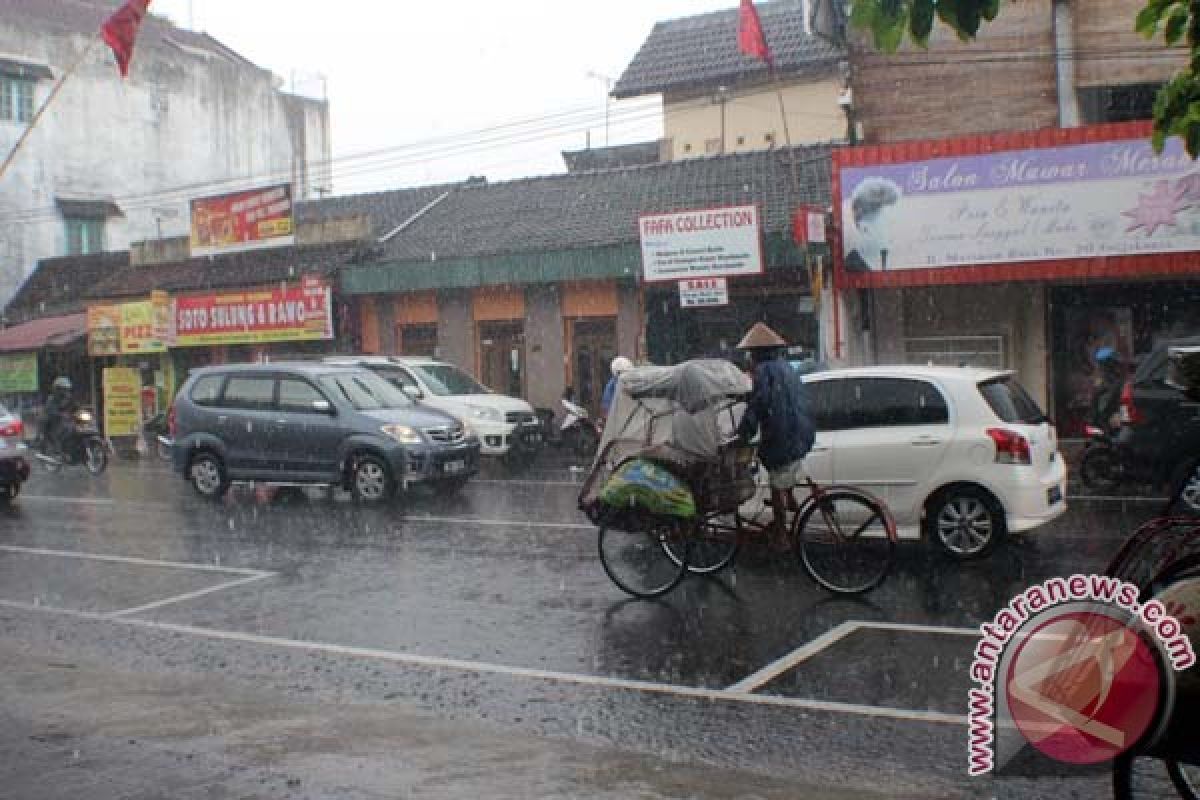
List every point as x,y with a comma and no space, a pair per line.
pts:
48,332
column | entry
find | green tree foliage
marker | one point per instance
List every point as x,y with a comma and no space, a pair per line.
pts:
1177,108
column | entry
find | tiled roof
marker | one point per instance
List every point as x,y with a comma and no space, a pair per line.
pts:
86,16
702,51
386,210
51,331
61,285
623,155
594,209
230,270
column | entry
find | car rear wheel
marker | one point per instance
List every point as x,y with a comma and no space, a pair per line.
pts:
964,521
208,477
1188,481
371,480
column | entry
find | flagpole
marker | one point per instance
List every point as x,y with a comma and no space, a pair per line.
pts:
33,121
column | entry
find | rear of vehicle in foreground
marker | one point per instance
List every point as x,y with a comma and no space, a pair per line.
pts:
314,424
962,456
14,464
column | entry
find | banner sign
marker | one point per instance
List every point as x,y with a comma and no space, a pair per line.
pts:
122,401
104,330
18,373
707,242
703,292
1074,201
291,313
243,221
126,328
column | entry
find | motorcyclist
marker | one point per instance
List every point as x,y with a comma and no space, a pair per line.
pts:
619,364
60,407
778,408
1106,400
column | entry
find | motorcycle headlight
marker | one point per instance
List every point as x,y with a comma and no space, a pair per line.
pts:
402,434
84,416
489,414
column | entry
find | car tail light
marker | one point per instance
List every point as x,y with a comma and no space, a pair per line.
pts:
1011,448
13,430
171,421
1092,431
1129,410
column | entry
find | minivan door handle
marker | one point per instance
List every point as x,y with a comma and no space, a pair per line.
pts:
819,448
925,441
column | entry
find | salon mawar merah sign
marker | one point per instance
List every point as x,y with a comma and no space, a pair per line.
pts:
1076,201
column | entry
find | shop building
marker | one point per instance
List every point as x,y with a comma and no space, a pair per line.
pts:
536,284
1023,251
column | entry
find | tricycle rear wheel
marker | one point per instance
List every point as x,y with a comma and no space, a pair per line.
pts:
639,561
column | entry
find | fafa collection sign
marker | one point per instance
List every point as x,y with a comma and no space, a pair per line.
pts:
1110,198
701,243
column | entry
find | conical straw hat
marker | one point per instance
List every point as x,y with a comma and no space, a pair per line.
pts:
760,337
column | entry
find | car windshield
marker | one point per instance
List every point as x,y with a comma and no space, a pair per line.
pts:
365,391
1010,402
446,380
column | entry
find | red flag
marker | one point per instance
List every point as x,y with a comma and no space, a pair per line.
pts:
751,40
120,31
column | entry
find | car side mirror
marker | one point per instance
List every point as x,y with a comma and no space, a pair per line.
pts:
323,407
413,392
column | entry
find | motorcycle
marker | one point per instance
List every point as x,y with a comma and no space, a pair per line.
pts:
156,432
79,445
1102,468
578,432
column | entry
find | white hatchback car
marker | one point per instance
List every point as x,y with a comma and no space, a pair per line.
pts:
506,426
961,455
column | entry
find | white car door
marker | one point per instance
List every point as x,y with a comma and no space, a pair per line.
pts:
823,397
892,440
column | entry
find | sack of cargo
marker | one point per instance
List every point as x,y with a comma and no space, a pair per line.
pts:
643,486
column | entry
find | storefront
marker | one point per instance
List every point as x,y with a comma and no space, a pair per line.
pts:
33,354
1023,251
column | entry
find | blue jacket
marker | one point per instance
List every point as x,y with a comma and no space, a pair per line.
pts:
610,391
779,405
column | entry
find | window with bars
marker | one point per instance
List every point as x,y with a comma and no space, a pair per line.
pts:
16,99
85,235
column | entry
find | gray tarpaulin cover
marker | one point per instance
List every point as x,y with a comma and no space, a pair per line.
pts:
678,406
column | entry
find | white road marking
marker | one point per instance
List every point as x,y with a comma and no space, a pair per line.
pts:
179,598
526,482
79,501
794,658
141,562
831,637
432,662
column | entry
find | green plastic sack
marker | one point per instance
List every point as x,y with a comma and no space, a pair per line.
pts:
640,485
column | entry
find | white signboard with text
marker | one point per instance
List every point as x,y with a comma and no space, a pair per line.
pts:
708,242
703,292
1073,201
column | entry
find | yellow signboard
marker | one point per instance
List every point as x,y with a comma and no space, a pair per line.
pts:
104,330
137,329
130,327
122,401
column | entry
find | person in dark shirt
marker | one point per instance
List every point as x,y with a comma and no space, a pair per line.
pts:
1106,401
59,408
778,409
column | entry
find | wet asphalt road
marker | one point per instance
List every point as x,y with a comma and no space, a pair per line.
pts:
451,647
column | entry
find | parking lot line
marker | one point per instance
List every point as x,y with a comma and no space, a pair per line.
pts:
79,501
143,562
501,523
433,662
832,636
179,598
794,658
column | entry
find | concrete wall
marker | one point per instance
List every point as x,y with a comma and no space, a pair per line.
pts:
186,116
545,356
630,342
456,329
812,113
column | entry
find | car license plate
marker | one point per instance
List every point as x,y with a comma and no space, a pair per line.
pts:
1054,495
454,466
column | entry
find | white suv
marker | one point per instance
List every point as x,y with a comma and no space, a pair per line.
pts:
506,426
960,455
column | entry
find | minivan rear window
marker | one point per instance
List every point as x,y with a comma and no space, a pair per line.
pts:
207,390
1010,402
